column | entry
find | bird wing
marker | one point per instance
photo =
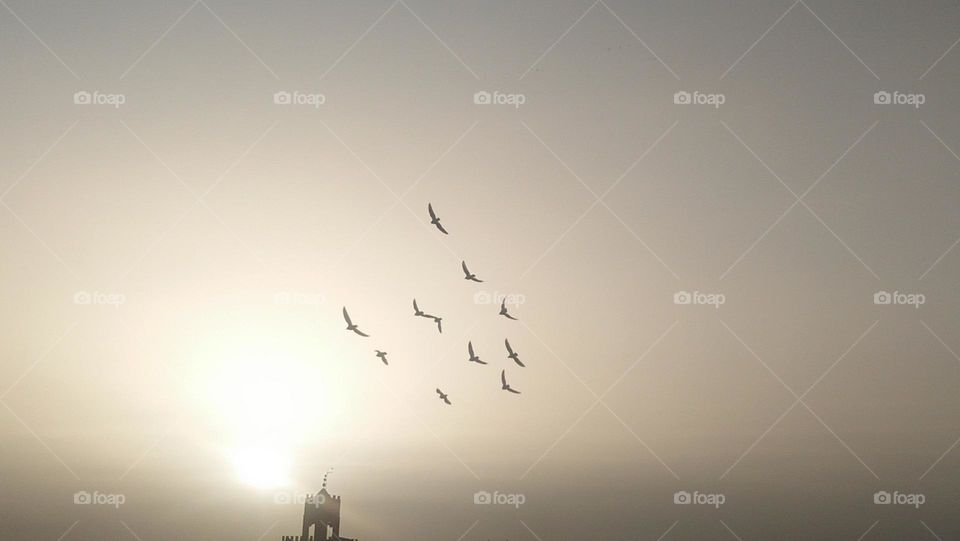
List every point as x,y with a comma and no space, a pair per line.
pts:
446,400
503,306
439,325
361,333
439,392
510,317
512,390
415,307
442,230
470,348
433,215
463,265
507,342
516,360
346,316
503,377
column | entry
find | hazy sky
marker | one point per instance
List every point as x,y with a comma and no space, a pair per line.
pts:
176,253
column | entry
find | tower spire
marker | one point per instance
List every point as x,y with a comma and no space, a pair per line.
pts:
325,477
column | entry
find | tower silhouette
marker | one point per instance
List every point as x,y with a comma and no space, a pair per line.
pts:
321,514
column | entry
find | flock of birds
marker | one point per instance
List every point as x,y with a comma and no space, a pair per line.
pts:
417,312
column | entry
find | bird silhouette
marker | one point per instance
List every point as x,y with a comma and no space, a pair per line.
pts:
443,397
503,310
473,356
434,220
350,325
416,309
438,320
383,356
513,354
504,385
467,275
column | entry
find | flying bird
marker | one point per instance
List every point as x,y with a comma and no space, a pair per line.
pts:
350,325
443,397
503,310
383,356
416,309
473,356
467,275
504,385
513,354
434,220
438,320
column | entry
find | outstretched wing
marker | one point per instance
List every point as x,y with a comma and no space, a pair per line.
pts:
433,215
439,392
442,230
346,316
503,377
470,349
463,265
361,333
415,307
507,343
439,325
512,390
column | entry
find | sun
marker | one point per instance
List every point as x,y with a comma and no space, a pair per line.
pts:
262,467
268,401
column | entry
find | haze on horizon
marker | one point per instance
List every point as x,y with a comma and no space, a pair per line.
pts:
174,268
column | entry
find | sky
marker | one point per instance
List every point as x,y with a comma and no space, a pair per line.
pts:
728,231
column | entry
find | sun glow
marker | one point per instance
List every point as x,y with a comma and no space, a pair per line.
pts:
262,467
268,401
